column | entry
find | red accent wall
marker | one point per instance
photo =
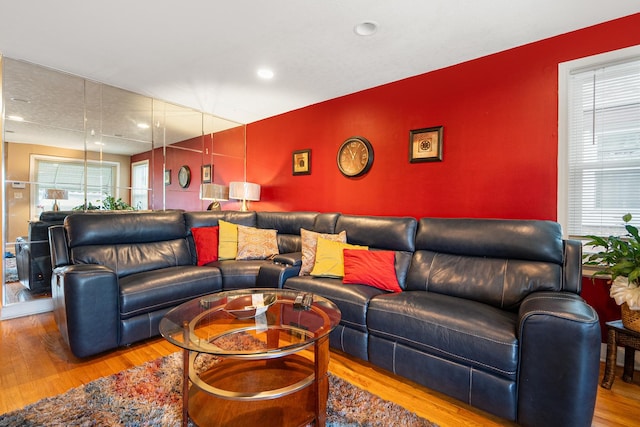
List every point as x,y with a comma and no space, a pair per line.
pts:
176,196
500,118
224,151
596,293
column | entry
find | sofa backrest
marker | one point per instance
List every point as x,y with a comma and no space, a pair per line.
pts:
210,218
382,233
128,242
498,262
56,217
288,225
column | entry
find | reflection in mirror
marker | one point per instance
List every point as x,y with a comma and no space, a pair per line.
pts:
181,132
70,144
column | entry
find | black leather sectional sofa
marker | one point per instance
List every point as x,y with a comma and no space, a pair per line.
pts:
490,311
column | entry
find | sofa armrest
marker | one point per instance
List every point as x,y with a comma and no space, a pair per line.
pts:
572,266
85,304
23,259
274,275
559,337
58,246
293,259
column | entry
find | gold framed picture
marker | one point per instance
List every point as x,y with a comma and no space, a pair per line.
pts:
425,145
206,173
301,162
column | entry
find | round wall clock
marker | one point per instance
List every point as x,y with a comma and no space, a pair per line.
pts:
184,176
355,156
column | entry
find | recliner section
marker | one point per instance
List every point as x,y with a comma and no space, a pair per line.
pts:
33,259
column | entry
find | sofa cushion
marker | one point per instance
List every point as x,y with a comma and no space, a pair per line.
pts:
456,329
503,283
352,300
239,274
84,229
497,262
393,233
156,289
310,245
256,243
493,238
329,258
127,259
206,241
371,268
227,240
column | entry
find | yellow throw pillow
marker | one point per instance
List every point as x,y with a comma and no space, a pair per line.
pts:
256,243
330,259
309,240
227,240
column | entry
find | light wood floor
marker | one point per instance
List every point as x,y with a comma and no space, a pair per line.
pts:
35,363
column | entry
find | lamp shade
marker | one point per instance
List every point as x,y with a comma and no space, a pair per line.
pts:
244,191
214,192
57,194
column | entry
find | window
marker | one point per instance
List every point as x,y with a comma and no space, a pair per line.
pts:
71,175
599,143
140,185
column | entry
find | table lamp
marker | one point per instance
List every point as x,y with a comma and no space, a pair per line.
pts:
245,191
215,192
56,194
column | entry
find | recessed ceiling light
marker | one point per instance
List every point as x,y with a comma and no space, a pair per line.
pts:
265,73
367,28
143,126
15,118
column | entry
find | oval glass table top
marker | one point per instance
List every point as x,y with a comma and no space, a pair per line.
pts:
250,323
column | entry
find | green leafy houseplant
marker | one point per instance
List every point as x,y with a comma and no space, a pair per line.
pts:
620,259
109,203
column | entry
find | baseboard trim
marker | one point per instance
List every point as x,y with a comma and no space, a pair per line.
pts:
619,356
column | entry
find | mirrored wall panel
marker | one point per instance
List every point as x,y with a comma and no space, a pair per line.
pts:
72,145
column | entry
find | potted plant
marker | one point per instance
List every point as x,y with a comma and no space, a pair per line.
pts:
619,258
109,203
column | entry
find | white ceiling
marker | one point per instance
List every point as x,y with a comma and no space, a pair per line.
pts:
204,54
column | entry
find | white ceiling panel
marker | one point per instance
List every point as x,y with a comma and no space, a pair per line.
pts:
204,54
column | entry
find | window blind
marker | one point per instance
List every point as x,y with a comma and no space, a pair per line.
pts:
604,148
69,174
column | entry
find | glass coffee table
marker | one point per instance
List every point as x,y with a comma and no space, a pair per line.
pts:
270,357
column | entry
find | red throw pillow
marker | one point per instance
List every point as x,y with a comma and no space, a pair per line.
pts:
206,240
372,268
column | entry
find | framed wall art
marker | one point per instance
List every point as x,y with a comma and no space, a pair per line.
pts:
301,162
207,173
425,145
167,177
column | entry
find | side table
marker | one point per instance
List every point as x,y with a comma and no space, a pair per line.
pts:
617,334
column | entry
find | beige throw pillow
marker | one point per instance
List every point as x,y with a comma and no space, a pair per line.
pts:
256,243
309,244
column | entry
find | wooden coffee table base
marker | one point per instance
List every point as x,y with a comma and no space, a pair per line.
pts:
281,391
